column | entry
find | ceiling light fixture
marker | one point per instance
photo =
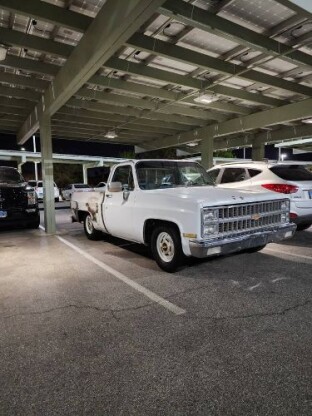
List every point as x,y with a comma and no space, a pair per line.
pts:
111,134
307,120
3,52
192,144
206,98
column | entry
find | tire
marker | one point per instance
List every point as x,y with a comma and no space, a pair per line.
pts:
90,231
56,199
255,249
34,224
302,227
166,248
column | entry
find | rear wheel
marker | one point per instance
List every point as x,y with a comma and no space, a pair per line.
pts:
255,249
302,227
166,248
90,231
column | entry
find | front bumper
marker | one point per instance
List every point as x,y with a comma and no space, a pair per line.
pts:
20,218
207,248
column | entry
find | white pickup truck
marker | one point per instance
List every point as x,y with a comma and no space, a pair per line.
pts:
173,207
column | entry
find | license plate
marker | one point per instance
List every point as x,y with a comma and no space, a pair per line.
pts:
310,194
3,214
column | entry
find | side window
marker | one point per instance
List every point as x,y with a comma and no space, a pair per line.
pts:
233,175
254,172
213,174
124,175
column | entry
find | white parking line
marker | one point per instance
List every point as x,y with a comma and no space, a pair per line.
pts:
151,295
286,253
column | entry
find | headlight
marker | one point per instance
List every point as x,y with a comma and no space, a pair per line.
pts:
210,222
31,196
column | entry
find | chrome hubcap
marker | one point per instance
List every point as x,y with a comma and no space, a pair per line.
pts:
89,225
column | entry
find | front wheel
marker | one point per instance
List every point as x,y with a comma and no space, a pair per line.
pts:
90,231
166,248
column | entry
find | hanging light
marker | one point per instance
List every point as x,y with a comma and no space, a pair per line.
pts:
206,98
111,134
3,52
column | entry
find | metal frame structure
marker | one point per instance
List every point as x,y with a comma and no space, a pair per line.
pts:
158,73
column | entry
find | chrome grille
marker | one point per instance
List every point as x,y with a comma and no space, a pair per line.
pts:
241,219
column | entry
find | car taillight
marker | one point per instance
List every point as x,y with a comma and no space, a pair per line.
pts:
293,215
281,188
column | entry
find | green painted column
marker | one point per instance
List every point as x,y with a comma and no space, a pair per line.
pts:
258,151
47,174
206,148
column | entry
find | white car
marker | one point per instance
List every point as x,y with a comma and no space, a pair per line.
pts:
291,179
38,186
75,187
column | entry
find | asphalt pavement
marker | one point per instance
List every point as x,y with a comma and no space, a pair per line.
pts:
96,328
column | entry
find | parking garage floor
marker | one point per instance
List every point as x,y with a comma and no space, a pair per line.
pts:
95,328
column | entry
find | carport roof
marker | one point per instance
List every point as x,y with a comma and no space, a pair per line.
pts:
157,73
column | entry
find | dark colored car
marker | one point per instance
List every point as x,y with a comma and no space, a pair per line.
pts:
18,201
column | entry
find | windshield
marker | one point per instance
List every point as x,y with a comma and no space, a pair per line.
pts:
292,173
171,174
10,175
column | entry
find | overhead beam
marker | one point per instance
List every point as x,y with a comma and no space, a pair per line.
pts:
194,16
165,49
132,112
19,93
48,13
36,43
124,100
23,81
289,112
113,25
30,65
186,81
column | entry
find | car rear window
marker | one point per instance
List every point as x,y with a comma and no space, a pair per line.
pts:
254,172
292,173
78,186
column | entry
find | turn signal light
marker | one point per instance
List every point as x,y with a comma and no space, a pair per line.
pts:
281,188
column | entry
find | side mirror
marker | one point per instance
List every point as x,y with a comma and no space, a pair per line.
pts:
115,187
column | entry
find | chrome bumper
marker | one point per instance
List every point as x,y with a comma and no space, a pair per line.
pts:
206,248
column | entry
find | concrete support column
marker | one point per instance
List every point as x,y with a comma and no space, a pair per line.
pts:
206,148
47,174
85,173
258,151
20,164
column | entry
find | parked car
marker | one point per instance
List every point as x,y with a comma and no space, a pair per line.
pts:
173,207
291,179
75,187
101,186
38,186
18,200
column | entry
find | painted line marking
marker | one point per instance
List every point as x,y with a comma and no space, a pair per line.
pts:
254,287
146,292
285,253
278,279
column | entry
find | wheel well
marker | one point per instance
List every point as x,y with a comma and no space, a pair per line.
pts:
151,224
82,215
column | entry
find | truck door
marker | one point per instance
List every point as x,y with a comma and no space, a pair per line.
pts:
118,206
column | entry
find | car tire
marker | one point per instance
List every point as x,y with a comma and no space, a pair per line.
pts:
34,224
302,227
90,231
166,248
56,199
255,249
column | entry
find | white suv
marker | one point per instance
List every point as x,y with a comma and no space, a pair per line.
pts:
292,179
38,186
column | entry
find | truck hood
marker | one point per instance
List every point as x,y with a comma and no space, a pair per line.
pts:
211,195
